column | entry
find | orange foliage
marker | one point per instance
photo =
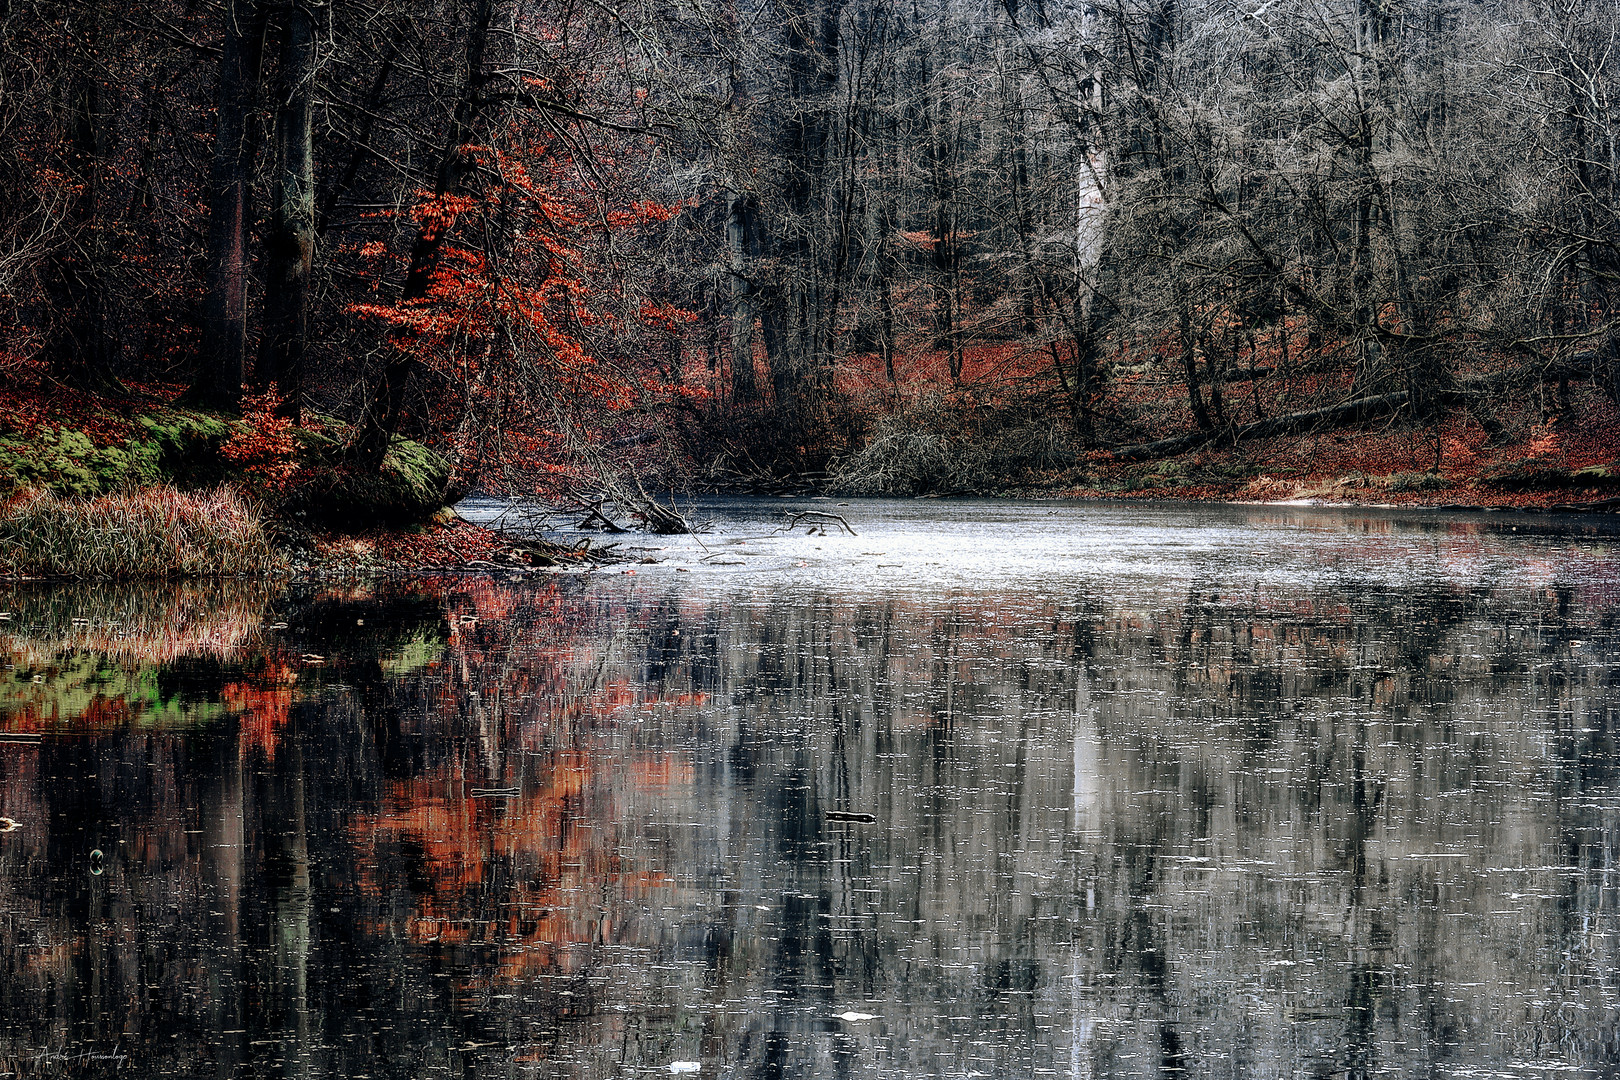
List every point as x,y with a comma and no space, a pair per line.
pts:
262,445
520,303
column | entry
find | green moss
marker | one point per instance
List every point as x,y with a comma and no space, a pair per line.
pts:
66,462
1597,476
175,446
409,488
187,445
185,448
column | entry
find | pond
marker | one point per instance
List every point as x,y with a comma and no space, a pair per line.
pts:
981,790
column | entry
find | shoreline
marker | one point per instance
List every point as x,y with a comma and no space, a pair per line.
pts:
490,566
453,545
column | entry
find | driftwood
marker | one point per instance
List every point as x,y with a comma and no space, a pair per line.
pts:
596,519
852,816
659,518
551,554
634,501
821,519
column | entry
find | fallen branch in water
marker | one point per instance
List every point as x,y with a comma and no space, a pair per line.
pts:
597,519
823,519
548,553
657,517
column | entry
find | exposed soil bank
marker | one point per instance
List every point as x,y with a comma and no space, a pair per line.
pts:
446,544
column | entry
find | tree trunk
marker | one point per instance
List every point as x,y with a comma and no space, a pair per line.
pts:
791,320
1189,370
1085,359
742,241
1023,213
938,153
224,332
290,246
80,348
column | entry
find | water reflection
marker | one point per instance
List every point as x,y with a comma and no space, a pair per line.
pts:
1323,826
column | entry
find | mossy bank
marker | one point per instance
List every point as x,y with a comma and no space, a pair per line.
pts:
72,444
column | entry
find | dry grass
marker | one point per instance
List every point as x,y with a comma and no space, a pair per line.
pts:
150,533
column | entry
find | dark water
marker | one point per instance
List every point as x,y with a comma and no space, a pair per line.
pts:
1011,790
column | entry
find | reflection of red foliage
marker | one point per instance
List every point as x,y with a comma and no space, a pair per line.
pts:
265,698
508,873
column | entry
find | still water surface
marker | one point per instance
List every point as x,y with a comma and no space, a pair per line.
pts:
986,789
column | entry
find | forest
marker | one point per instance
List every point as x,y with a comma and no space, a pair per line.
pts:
874,246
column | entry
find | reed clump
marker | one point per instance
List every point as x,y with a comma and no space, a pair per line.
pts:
156,532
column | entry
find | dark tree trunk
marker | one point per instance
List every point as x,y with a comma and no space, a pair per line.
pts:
939,153
792,319
1024,215
290,246
1189,369
742,240
80,348
222,366
1085,360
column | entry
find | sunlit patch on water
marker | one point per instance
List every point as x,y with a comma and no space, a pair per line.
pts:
1111,792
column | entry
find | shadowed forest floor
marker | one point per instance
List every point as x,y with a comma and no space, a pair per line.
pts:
1004,430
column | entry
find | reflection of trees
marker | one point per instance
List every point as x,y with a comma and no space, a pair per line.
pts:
1360,745
584,829
96,656
129,620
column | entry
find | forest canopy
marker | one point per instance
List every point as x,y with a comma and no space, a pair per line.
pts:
896,246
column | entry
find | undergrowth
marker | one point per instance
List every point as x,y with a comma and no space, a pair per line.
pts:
145,533
943,446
